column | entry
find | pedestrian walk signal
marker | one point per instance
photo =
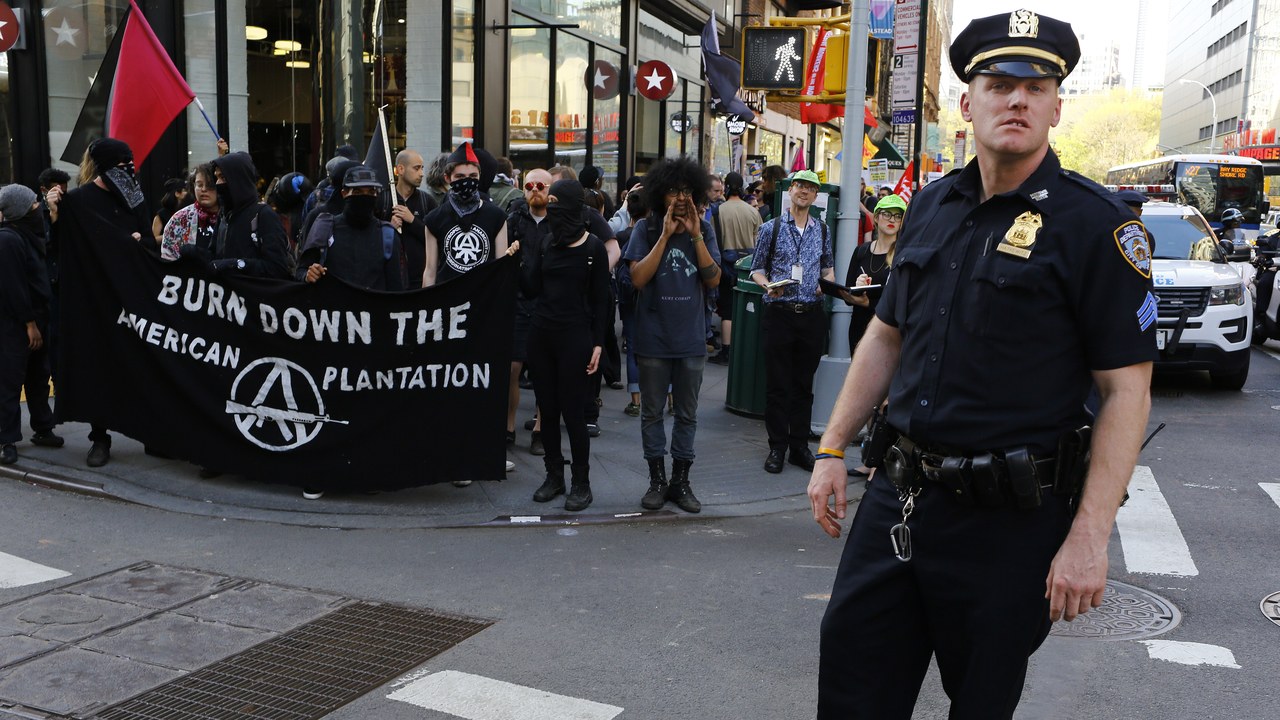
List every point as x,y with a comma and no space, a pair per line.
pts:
773,58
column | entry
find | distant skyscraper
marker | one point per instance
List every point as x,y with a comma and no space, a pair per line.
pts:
1149,43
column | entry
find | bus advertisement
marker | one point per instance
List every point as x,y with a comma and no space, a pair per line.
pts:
1209,183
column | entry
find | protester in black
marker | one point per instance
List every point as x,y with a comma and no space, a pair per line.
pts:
568,274
24,322
250,238
287,199
361,249
527,226
112,198
466,230
412,207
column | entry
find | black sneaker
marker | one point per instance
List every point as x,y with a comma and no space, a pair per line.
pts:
99,454
8,454
535,444
47,439
593,430
312,493
511,437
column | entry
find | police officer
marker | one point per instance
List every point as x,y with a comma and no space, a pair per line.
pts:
1016,285
794,249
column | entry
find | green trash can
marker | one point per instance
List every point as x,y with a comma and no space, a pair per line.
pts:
745,392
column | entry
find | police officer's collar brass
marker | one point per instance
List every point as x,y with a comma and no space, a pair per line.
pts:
1020,238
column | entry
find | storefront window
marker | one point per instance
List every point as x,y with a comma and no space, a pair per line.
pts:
530,111
571,100
77,35
464,70
650,126
6,149
607,128
600,18
770,144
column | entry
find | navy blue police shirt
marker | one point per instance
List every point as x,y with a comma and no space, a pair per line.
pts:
1006,306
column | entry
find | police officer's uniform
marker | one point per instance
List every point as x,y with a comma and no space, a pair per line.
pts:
1004,308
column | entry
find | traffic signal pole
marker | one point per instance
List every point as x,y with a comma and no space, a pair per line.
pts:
835,364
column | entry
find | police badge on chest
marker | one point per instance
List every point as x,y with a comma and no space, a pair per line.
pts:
1020,239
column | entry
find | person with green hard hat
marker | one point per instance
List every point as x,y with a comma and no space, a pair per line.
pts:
792,252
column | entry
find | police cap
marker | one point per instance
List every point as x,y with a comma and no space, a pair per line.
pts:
1019,44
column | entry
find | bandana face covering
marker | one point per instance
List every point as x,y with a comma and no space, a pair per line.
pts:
465,189
123,184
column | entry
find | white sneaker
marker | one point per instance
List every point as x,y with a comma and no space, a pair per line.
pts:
461,483
510,466
312,493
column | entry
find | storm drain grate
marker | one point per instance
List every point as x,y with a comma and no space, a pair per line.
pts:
309,671
1126,613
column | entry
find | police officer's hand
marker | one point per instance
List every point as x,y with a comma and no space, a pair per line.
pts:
34,338
594,363
1077,576
829,479
315,272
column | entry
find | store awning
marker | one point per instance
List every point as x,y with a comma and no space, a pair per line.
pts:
888,151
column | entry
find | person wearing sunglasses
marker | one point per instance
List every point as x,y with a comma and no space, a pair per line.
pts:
526,225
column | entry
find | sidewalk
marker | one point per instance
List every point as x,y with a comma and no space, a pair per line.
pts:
727,477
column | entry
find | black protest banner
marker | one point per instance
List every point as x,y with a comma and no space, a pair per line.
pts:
322,385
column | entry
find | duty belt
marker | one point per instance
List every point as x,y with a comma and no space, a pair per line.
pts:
1013,478
796,307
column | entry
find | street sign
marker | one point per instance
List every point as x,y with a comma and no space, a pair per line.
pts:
773,58
906,49
655,80
10,28
904,117
735,125
604,79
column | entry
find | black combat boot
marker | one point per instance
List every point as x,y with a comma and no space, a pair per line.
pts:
657,494
680,493
579,497
554,484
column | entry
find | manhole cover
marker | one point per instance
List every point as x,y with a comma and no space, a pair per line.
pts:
1271,607
1126,613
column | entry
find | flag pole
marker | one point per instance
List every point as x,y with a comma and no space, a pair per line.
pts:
214,130
386,148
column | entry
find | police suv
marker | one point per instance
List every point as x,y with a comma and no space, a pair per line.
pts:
1204,319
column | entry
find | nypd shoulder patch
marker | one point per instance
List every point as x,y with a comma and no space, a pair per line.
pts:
1131,238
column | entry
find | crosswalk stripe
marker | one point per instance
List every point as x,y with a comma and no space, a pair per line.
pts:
1272,489
480,698
16,572
1149,534
1189,653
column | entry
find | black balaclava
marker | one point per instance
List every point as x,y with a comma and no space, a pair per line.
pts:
357,210
567,213
113,162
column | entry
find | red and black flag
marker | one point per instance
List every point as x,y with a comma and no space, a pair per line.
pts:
136,94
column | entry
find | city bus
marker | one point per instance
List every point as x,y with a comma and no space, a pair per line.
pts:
1209,183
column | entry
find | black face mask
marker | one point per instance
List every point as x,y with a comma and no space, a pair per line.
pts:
32,222
123,184
566,225
224,196
465,189
357,210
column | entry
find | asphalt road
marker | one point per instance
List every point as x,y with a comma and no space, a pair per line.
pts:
698,618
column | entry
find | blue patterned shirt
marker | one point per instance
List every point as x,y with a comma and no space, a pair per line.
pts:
811,250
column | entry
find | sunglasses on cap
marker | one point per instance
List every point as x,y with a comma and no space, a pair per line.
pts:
539,186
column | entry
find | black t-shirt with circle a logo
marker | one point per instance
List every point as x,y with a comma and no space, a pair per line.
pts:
466,242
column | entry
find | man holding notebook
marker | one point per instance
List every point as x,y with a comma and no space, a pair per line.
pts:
793,252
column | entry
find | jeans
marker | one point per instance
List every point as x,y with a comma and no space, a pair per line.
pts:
684,377
628,313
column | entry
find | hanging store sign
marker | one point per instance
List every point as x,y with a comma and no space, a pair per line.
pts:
604,79
10,28
681,122
735,125
655,80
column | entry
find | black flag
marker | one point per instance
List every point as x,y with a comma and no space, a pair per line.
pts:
722,75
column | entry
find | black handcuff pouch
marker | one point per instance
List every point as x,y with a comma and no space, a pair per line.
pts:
1023,482
1073,462
954,474
986,481
901,470
880,437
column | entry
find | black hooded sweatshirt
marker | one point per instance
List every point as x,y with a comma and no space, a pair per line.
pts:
248,229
